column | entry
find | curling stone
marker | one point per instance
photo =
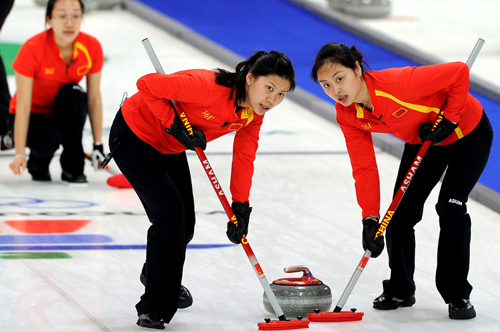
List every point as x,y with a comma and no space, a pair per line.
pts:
368,8
299,296
362,8
89,4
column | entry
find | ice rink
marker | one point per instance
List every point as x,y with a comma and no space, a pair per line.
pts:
72,255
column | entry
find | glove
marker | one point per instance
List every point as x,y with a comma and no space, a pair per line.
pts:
97,155
179,131
242,212
444,129
376,246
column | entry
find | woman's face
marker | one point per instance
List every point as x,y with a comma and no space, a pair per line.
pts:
340,83
66,20
265,92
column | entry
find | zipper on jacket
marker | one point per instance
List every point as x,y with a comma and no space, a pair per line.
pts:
69,64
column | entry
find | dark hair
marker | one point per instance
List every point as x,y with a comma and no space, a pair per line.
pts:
52,3
261,64
337,53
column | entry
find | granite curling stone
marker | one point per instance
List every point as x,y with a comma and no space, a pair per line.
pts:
299,296
362,8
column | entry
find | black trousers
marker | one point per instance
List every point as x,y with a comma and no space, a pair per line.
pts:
463,161
4,99
5,7
64,127
163,184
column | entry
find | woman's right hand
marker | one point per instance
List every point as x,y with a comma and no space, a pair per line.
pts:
19,164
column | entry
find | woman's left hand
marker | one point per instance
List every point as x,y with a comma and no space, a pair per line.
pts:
444,129
236,232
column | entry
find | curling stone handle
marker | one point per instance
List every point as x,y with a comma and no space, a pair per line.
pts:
298,268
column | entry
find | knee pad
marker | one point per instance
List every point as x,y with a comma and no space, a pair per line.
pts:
70,105
452,213
71,93
451,206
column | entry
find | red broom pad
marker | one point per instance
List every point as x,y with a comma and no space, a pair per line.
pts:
293,324
330,316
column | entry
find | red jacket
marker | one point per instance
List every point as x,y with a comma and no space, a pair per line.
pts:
403,99
208,108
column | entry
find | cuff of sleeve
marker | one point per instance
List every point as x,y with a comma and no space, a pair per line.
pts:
372,213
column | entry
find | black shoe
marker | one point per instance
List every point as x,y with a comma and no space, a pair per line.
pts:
387,302
6,142
43,176
185,298
70,178
461,309
143,279
151,321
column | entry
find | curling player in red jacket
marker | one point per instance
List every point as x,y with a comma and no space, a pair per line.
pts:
405,102
148,143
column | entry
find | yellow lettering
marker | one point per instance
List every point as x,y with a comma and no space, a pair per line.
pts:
185,120
367,126
440,118
207,115
384,223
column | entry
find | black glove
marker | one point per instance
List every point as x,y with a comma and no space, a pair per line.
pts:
444,129
97,155
179,131
242,212
376,246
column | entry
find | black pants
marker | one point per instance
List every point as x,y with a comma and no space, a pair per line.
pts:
163,184
64,126
463,161
4,100
5,7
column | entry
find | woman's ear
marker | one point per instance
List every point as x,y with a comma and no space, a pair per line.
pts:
359,72
249,77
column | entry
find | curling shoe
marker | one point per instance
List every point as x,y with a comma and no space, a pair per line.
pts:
42,176
6,142
151,321
185,298
387,302
461,309
73,179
